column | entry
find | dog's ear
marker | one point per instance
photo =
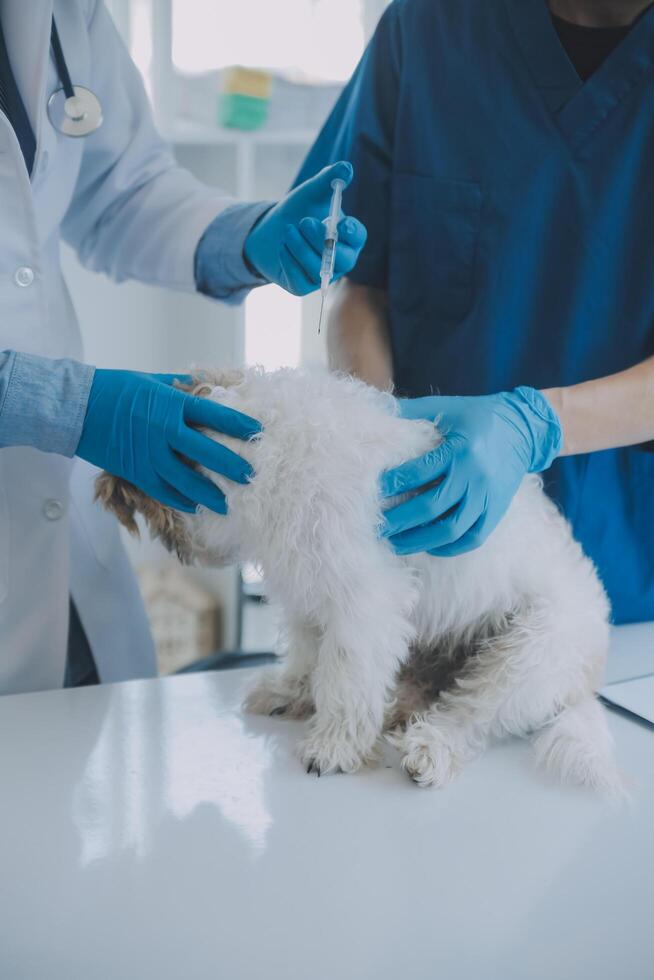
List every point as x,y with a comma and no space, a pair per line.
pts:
124,500
120,498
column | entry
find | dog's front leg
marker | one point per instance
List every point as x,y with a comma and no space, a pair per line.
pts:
353,680
285,689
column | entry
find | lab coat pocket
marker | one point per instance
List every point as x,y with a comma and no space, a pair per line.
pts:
5,541
435,227
95,527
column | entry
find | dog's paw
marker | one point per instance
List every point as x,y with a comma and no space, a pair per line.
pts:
324,754
276,695
428,757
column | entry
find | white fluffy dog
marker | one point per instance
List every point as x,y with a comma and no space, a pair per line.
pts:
441,654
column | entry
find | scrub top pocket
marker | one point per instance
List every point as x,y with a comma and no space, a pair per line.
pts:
431,272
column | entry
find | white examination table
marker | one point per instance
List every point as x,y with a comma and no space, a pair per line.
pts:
150,830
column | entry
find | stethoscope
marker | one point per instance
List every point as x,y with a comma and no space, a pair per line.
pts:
72,109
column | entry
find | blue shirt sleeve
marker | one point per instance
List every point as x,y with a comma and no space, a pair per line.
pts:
42,402
361,129
221,269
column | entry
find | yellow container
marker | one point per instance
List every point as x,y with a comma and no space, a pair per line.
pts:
247,81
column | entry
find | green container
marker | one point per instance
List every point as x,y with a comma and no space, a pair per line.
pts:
242,111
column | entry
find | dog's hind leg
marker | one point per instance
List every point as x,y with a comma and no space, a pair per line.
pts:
516,679
285,689
578,747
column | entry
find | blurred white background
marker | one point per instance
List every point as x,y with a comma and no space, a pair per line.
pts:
181,47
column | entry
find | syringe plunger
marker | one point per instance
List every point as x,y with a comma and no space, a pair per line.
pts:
331,223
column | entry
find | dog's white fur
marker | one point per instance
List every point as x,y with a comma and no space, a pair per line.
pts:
441,654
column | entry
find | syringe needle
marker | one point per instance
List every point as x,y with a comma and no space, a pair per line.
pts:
322,307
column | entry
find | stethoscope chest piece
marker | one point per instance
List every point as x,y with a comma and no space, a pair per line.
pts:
75,115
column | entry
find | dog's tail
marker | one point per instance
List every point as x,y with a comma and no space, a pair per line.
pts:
578,747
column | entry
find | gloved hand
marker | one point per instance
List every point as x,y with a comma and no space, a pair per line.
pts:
490,443
136,425
287,242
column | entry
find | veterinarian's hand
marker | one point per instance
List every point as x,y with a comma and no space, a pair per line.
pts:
285,246
138,426
489,444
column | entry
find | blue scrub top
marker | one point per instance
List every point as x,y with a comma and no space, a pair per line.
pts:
510,211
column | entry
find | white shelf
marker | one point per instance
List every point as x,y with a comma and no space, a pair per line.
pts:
189,133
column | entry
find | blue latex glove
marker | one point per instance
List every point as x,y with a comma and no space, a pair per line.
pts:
285,246
138,426
490,443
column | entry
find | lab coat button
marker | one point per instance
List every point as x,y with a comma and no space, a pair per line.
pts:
24,276
53,510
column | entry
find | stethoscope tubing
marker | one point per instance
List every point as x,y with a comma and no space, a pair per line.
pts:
60,62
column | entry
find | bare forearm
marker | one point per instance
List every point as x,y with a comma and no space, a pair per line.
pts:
357,338
617,410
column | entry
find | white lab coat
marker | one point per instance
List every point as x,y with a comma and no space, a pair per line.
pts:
119,199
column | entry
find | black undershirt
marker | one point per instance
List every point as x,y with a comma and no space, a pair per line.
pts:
588,47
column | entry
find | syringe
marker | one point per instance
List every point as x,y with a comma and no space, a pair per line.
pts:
331,223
